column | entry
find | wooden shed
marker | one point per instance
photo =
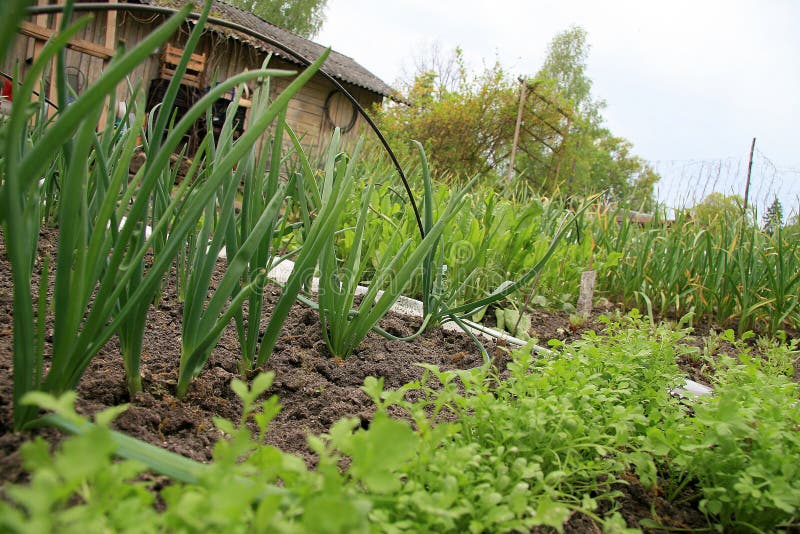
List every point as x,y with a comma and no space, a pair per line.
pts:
222,52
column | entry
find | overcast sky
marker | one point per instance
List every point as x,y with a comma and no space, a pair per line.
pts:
686,81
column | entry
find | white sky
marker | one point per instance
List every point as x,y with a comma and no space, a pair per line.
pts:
683,80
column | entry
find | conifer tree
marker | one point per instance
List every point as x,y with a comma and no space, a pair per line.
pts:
773,218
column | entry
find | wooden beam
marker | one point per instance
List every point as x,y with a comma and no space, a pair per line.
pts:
111,28
546,123
110,44
538,138
522,90
35,49
79,45
533,90
53,93
534,156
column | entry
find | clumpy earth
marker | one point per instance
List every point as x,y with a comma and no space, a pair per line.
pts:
314,389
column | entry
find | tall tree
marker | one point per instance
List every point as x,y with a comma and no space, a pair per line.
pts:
589,158
464,120
565,64
303,17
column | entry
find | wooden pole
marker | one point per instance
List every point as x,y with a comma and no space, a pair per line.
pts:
749,172
110,43
523,87
560,155
53,92
38,46
586,295
83,46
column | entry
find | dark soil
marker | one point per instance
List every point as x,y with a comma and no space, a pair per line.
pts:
314,389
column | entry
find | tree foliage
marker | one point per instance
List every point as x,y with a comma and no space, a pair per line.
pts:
303,17
792,228
588,158
462,120
467,122
718,208
565,65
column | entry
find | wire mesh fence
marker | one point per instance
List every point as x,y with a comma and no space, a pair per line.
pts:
684,183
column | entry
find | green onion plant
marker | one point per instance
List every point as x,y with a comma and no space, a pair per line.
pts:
343,327
444,309
98,283
83,243
203,324
317,233
261,182
727,270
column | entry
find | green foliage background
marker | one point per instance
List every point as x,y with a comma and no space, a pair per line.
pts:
467,123
303,17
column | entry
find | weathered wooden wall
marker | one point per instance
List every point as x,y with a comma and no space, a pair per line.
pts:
307,112
88,68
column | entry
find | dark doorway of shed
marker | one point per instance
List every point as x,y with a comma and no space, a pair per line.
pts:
187,97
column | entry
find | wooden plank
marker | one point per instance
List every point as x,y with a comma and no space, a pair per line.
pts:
310,132
306,125
317,84
110,42
111,28
304,104
174,58
172,55
295,115
298,116
134,32
310,98
298,105
168,72
37,47
53,91
40,33
16,53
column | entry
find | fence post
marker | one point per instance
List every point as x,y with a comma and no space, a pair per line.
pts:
749,171
523,87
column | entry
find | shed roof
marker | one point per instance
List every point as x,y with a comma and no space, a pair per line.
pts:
341,67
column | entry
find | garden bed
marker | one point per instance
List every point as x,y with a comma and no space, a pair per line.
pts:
314,389
597,433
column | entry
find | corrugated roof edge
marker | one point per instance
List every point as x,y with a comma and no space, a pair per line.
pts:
338,65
